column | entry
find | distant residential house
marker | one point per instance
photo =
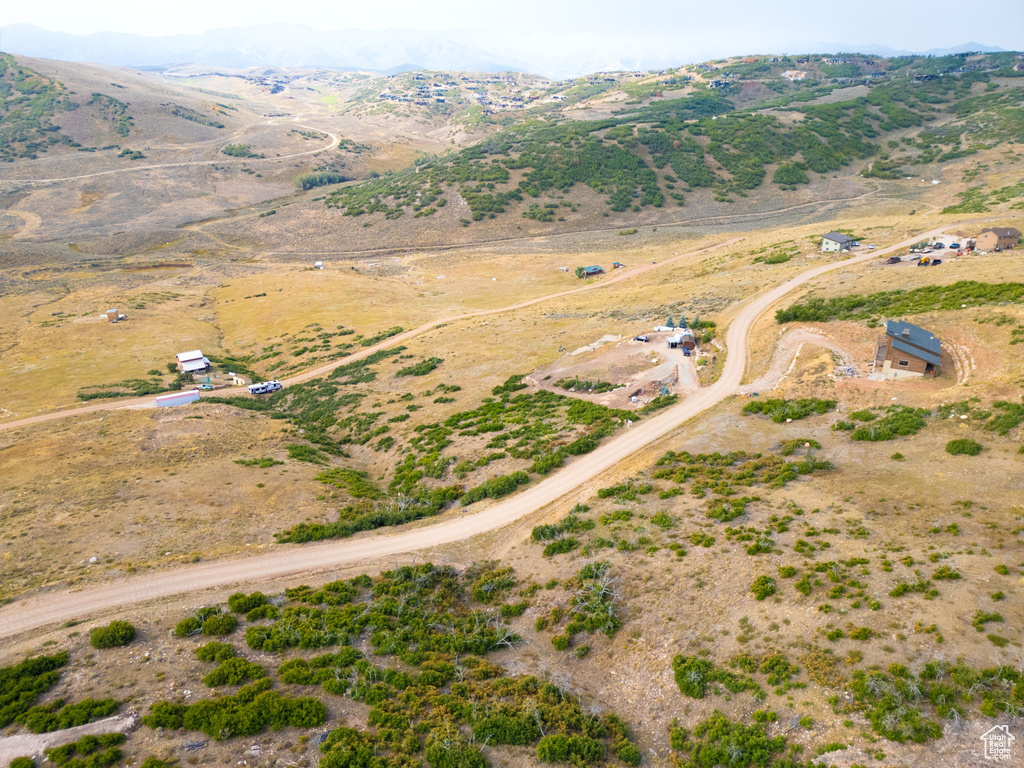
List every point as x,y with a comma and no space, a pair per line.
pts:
997,238
682,340
591,271
794,74
193,362
835,241
908,350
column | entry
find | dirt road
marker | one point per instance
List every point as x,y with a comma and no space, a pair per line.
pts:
148,400
23,615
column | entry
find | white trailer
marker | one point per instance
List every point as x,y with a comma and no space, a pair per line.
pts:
264,387
178,398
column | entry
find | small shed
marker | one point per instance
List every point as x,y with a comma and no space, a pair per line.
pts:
617,265
193,362
686,339
836,241
112,315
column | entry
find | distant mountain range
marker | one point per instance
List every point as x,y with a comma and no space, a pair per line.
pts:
391,50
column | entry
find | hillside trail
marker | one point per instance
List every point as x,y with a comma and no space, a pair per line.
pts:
32,222
58,606
226,160
134,402
574,233
33,744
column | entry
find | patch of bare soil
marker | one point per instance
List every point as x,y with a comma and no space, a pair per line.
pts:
640,370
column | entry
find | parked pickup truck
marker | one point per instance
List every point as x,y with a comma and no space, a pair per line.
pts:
936,262
639,338
893,260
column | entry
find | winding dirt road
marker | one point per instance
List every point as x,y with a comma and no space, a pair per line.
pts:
135,402
41,610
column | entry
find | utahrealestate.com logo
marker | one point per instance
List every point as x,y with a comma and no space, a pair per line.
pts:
998,741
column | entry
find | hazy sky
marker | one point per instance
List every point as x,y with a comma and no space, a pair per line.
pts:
751,24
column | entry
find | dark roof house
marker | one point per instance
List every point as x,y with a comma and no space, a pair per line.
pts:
908,350
836,241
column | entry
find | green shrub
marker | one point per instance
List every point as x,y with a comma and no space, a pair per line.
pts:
779,410
560,546
506,729
234,671
114,635
252,710
981,618
100,751
221,624
495,488
214,651
22,762
22,684
578,750
963,446
447,747
763,587
510,610
243,603
900,421
692,675
662,520
58,715
718,741
421,368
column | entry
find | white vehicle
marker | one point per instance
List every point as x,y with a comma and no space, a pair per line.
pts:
264,387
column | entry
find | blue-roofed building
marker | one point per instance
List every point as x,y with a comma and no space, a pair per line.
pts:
591,271
908,350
